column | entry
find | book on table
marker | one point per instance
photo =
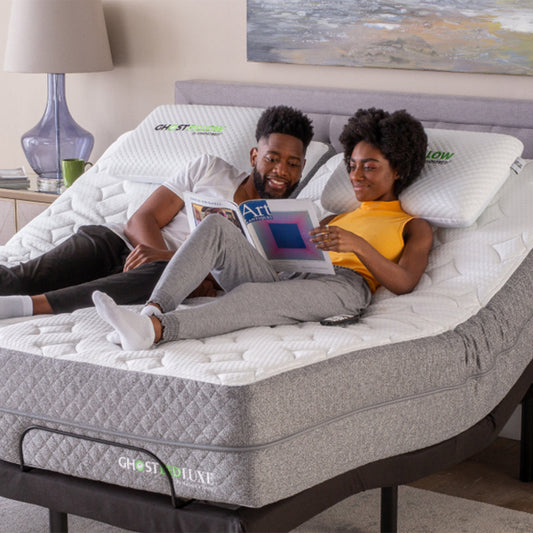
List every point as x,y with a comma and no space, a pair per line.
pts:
14,178
278,229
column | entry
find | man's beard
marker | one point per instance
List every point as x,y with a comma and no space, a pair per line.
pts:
259,183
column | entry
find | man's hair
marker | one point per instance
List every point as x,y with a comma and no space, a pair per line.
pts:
398,136
287,120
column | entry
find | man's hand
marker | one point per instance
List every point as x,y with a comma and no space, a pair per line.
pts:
142,254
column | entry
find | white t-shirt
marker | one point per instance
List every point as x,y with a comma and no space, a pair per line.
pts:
209,176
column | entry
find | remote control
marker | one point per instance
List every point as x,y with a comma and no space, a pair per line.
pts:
339,320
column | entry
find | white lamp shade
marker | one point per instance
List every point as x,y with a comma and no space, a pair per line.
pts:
57,36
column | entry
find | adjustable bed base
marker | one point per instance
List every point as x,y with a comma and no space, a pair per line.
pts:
150,512
269,402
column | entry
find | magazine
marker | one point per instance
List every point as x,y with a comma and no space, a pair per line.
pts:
278,229
14,178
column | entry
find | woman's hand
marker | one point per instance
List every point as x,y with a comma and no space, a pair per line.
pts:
400,277
334,239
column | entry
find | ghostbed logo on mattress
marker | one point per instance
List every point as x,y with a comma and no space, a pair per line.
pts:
195,129
438,157
152,467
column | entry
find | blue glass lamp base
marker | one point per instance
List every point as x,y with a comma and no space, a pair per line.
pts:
50,184
54,138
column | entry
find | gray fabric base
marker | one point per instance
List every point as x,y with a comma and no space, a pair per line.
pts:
330,107
255,444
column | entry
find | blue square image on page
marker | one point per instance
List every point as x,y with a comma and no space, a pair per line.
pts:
287,235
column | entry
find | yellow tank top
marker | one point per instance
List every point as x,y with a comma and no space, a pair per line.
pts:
381,224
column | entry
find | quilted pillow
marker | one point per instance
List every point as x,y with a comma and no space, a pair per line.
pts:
463,172
173,135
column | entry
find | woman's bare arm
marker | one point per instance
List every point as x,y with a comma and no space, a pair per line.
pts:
400,277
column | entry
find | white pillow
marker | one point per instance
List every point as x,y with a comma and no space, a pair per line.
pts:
316,155
463,172
314,188
333,186
173,135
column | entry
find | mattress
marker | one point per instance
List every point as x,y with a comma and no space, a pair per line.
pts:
257,415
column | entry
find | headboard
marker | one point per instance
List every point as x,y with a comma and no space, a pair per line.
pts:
330,108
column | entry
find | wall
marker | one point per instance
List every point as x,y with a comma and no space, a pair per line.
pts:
155,42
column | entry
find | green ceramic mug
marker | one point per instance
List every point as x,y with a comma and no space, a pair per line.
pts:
72,169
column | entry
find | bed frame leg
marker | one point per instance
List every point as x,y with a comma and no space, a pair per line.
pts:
526,438
389,509
58,521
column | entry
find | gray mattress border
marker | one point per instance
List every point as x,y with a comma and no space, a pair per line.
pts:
133,509
265,445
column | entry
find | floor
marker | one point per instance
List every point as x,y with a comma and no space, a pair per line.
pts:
490,476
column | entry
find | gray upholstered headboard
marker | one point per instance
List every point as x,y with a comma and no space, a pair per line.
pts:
329,108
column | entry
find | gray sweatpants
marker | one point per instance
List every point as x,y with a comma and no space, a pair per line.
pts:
255,294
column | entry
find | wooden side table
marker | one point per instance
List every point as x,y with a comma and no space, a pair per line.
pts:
19,206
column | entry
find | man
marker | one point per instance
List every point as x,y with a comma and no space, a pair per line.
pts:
126,262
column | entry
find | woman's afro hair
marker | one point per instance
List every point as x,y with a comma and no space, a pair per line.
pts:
398,136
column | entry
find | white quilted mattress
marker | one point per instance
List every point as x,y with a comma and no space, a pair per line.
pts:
466,268
240,417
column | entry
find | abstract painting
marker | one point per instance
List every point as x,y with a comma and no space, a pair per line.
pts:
490,36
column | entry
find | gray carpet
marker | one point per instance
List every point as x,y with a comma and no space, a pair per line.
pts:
420,511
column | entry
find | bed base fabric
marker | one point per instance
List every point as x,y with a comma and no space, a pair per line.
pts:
150,512
499,115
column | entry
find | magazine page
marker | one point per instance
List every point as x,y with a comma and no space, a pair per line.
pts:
280,231
198,207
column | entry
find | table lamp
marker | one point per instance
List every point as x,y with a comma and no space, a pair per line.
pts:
55,37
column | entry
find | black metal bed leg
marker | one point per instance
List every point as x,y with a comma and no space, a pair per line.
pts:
58,521
526,437
389,509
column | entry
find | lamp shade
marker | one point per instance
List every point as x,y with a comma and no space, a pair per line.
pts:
57,36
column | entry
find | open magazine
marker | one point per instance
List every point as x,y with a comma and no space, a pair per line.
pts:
278,229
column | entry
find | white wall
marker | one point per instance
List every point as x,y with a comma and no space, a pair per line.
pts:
155,42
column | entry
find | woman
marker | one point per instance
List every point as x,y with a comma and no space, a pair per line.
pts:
377,244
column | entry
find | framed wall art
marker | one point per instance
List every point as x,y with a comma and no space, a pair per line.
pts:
490,36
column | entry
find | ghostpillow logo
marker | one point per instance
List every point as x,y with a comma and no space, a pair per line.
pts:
194,129
439,157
